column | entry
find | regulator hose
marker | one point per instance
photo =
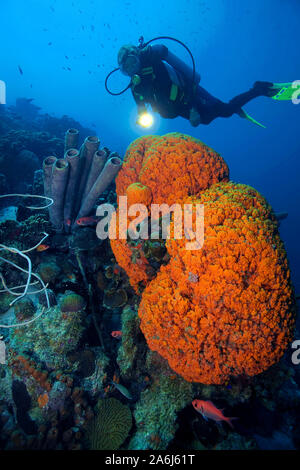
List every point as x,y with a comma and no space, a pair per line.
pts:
141,45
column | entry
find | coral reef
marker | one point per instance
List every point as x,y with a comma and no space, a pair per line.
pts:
55,362
93,383
25,150
24,309
157,409
110,426
118,347
131,353
51,338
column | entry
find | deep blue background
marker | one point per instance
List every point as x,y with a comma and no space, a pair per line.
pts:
234,44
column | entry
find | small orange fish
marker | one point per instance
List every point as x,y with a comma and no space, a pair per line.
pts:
85,221
117,334
42,248
68,222
208,410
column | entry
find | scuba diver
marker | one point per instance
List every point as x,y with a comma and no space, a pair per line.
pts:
171,87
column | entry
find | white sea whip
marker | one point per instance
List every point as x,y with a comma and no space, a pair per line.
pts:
29,271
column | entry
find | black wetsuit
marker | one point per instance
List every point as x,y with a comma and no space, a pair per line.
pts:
156,85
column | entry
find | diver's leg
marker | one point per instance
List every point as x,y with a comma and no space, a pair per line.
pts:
258,89
204,107
209,107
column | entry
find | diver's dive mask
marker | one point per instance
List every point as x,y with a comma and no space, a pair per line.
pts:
130,65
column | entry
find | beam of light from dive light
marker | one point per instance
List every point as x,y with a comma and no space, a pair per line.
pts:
145,119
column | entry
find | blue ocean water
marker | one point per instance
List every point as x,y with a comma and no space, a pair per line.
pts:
234,44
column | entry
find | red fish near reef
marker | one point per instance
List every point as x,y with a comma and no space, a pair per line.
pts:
117,334
208,410
42,248
85,221
117,269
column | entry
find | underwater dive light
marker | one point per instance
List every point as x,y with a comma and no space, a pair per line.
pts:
145,119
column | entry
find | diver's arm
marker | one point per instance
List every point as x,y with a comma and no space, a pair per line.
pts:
141,105
141,108
160,52
151,54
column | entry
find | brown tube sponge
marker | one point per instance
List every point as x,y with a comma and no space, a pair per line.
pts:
71,139
60,172
97,166
87,151
73,158
47,174
109,172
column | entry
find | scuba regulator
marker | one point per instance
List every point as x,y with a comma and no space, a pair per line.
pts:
190,74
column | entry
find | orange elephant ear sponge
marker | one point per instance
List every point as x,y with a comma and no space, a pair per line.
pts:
228,308
162,170
133,162
138,193
131,258
172,166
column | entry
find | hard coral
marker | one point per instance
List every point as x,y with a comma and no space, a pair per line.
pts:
111,425
114,298
72,302
226,309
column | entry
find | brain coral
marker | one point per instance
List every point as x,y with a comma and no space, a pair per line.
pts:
162,170
72,302
110,427
228,308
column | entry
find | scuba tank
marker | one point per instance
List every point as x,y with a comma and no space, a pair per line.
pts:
182,68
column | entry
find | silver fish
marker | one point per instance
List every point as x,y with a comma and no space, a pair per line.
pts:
122,390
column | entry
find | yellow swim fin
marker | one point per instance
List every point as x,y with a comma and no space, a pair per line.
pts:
286,91
242,113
